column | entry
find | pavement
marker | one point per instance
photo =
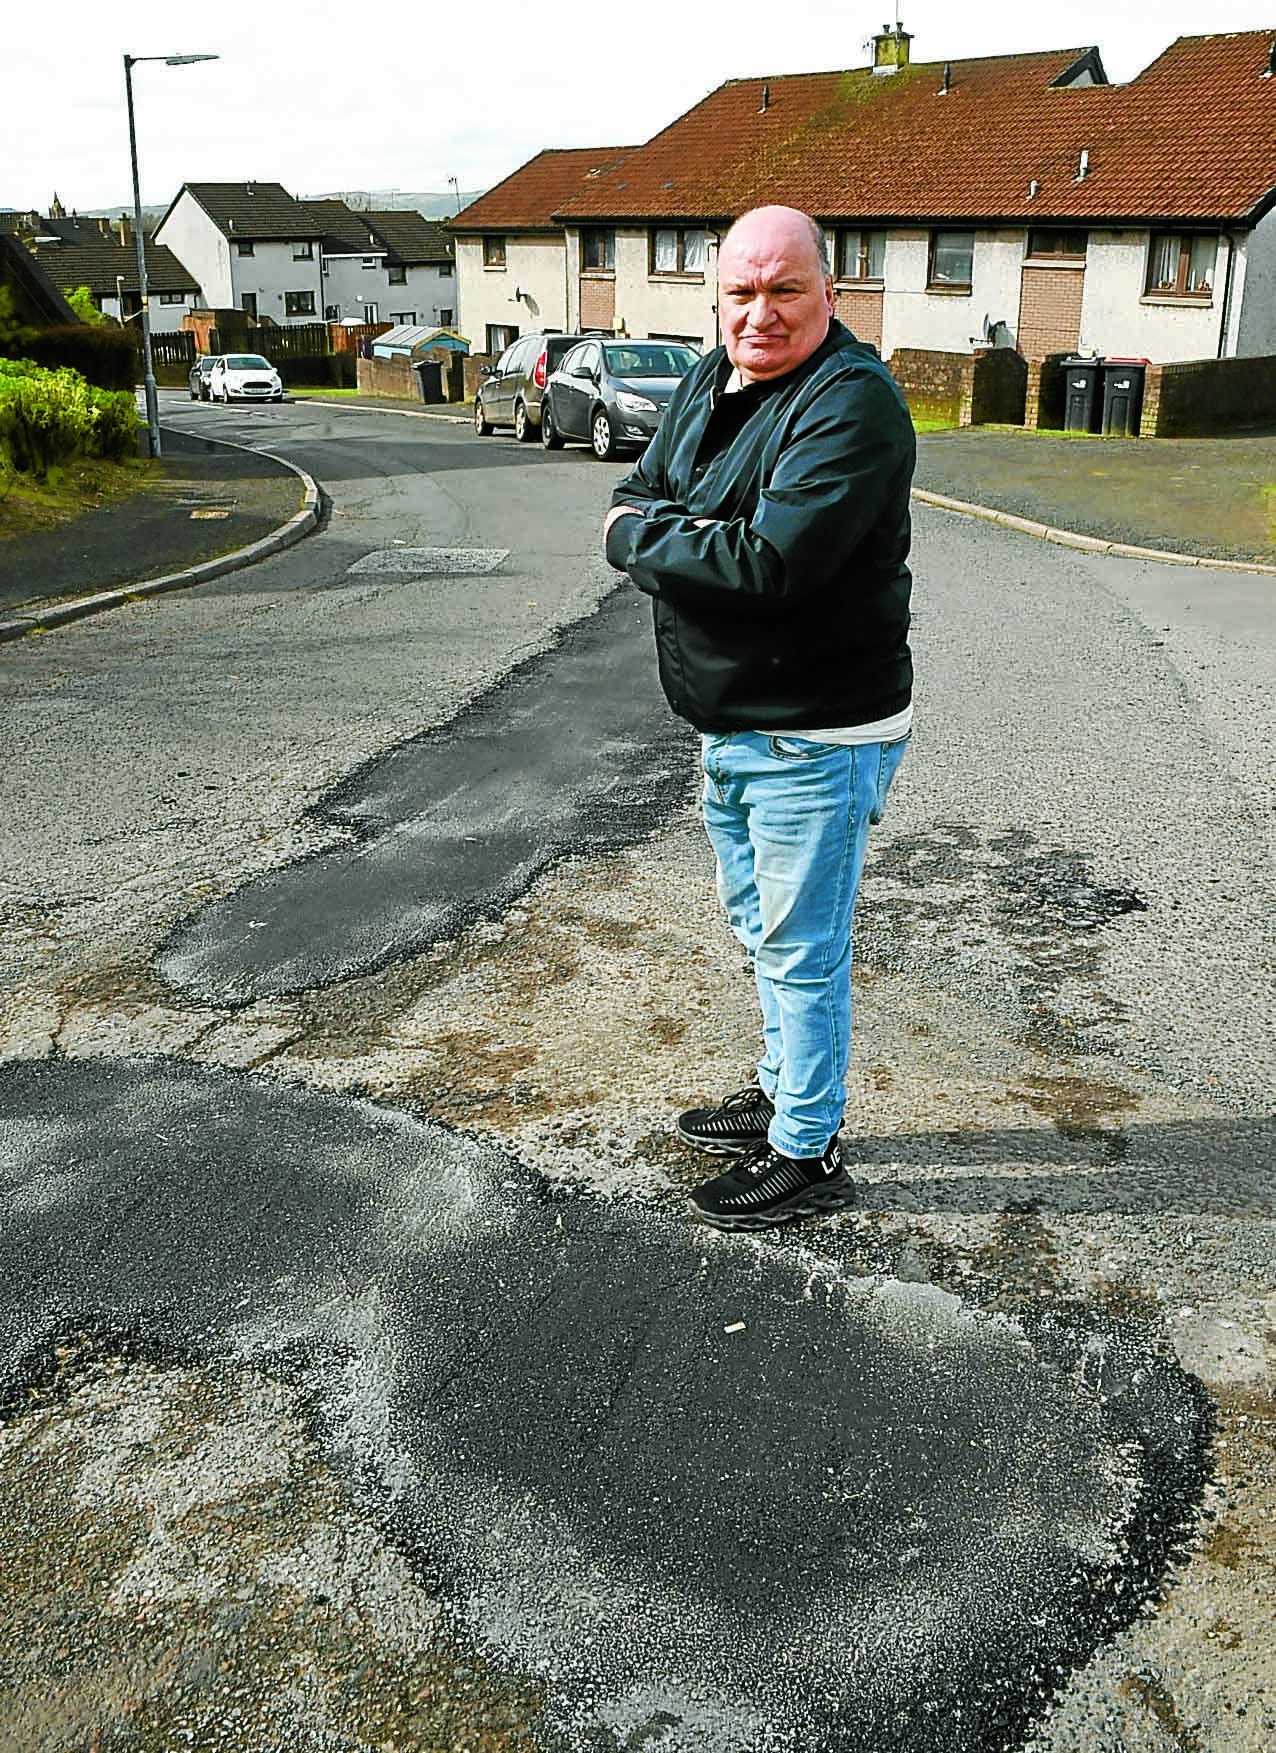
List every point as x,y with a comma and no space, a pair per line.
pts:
1197,501
214,507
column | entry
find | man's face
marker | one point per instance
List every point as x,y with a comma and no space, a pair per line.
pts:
774,299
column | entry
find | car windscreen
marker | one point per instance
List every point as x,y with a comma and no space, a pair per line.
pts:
246,362
655,360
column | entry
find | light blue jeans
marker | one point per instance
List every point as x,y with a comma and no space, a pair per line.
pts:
788,822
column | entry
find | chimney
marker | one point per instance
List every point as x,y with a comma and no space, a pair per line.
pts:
121,230
890,48
947,84
766,100
1083,166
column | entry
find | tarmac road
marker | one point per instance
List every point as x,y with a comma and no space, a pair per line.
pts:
953,1444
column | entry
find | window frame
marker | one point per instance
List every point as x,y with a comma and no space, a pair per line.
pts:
396,273
495,250
446,270
592,234
1057,257
498,353
303,251
244,246
447,316
681,233
863,254
405,318
172,297
1180,292
293,307
956,288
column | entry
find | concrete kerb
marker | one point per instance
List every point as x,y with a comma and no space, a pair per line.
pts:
1088,544
405,413
298,526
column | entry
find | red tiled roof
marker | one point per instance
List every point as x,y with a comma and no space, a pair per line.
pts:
1193,137
528,198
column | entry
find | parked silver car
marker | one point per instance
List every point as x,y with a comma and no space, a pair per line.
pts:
200,373
511,391
611,394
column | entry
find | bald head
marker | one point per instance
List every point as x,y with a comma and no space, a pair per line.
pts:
776,221
775,292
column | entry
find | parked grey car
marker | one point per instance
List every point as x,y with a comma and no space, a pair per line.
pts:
511,391
611,394
200,372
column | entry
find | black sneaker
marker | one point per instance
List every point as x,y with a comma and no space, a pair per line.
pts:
737,1125
767,1188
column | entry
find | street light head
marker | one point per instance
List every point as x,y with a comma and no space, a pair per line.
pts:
185,60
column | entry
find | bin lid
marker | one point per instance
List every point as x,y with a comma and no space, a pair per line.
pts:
1081,359
1124,359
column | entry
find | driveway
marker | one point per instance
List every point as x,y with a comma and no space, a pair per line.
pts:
367,1380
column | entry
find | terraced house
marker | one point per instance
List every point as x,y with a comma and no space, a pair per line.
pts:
1018,201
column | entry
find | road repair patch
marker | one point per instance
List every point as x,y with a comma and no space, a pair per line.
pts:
431,562
714,1495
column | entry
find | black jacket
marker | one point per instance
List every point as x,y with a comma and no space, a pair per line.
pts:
790,610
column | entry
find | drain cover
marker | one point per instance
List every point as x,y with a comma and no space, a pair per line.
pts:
419,561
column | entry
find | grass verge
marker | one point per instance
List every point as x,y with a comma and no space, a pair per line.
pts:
27,505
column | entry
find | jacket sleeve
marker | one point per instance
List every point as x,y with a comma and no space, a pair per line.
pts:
845,464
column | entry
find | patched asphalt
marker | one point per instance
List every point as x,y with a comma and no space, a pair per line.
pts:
716,1494
574,751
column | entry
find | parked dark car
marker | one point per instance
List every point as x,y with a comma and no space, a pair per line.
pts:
511,391
199,377
611,394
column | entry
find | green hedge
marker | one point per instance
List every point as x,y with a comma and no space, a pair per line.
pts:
107,357
48,418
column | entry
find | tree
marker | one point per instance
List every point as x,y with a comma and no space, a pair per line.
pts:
82,303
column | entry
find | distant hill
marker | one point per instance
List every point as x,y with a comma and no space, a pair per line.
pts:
426,201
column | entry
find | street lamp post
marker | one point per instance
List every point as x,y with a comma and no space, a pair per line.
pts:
152,398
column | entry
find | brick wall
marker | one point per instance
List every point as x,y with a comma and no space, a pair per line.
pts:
970,389
597,303
1050,311
388,377
1045,394
995,392
474,363
1196,397
861,311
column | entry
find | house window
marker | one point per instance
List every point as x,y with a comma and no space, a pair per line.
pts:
299,304
1057,246
332,313
1181,265
406,317
494,252
303,252
952,255
500,336
445,270
598,249
372,261
397,274
371,312
675,251
861,255
172,298
446,318
243,247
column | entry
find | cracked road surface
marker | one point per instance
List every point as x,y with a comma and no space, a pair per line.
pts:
719,1496
367,1386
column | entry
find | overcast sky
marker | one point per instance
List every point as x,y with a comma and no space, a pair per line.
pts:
322,96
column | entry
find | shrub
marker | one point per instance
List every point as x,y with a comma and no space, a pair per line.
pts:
105,356
82,303
47,418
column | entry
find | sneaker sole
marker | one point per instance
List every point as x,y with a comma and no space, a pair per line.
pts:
818,1201
721,1146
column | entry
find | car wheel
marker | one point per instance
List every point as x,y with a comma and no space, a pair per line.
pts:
194,395
482,425
551,437
602,437
522,423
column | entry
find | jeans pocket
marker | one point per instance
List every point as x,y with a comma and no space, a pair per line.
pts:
889,757
795,748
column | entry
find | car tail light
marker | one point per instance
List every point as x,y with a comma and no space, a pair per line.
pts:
538,376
